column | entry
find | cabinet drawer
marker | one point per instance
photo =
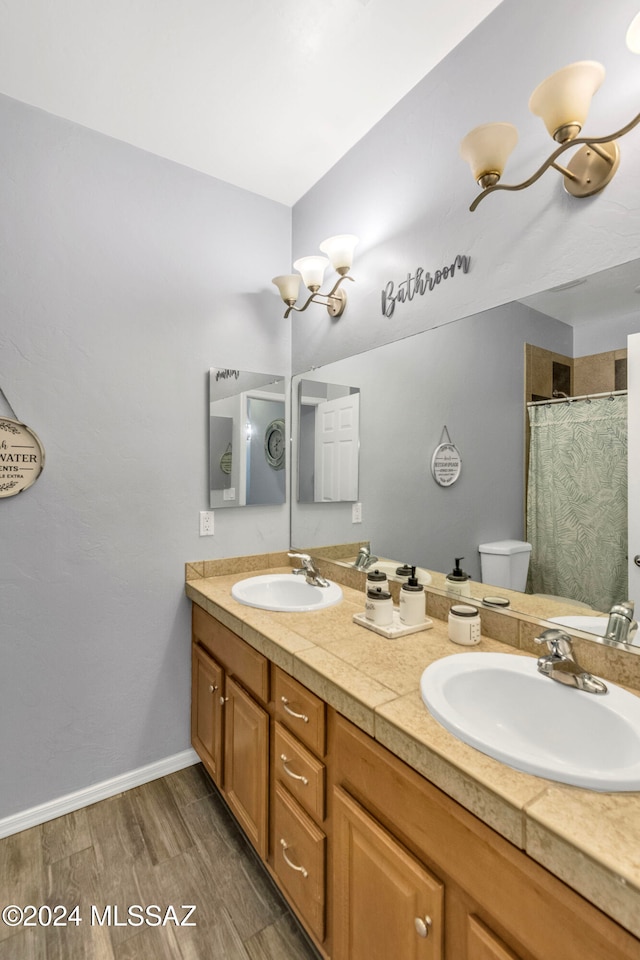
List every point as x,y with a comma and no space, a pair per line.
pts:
299,859
234,654
301,711
299,771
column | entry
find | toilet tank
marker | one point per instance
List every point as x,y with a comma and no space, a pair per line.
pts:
505,563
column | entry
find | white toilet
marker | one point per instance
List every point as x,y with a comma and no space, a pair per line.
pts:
505,563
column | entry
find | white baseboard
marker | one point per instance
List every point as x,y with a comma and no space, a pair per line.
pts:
99,791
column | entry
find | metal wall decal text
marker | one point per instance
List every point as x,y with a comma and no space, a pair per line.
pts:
420,283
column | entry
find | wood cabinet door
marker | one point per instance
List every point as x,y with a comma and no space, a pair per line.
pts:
207,691
246,764
386,903
483,944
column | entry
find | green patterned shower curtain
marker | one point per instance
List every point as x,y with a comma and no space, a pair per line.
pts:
577,500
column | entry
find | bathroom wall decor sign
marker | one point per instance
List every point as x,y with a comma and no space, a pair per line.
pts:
446,462
421,282
21,457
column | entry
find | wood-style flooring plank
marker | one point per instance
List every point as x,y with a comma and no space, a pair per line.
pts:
22,873
151,943
281,939
73,881
219,941
115,833
189,784
251,898
163,829
118,844
65,835
27,944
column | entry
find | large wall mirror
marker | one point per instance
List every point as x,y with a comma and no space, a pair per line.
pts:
247,438
475,376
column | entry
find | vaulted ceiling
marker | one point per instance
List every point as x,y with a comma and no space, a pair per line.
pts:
265,94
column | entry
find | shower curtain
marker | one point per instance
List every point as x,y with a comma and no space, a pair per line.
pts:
577,500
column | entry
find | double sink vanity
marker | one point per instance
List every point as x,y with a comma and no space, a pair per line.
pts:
386,832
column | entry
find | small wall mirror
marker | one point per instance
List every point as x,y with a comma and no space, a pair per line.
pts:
328,442
247,438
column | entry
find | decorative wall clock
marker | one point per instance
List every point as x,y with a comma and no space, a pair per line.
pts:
274,444
21,457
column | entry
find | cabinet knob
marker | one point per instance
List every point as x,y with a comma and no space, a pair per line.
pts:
224,700
213,687
423,926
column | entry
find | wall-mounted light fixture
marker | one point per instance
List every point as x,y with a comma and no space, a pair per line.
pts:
562,101
339,251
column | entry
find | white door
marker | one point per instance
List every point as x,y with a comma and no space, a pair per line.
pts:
633,368
336,449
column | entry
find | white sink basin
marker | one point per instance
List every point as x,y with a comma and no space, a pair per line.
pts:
285,592
500,704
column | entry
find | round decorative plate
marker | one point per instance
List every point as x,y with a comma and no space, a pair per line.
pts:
21,457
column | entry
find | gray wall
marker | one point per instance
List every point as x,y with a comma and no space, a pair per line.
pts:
404,190
123,278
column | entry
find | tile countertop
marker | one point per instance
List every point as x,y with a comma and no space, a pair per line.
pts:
588,839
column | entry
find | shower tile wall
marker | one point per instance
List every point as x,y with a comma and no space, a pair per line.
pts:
546,371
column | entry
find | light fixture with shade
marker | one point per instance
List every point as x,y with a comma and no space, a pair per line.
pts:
339,252
633,34
562,101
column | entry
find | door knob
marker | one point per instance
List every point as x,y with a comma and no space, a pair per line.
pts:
636,559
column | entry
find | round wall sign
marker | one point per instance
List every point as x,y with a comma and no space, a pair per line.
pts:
446,464
21,457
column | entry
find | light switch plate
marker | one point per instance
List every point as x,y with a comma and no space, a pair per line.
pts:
356,513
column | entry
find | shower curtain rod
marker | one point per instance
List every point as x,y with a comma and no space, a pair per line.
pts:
586,396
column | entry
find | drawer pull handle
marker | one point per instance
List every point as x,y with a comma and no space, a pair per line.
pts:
423,926
290,773
289,863
292,713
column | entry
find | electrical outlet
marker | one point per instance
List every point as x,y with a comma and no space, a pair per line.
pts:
356,513
206,523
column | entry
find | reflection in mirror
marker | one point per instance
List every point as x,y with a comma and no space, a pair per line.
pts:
328,441
247,438
471,375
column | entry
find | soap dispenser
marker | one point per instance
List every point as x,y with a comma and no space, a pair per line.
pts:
458,581
412,601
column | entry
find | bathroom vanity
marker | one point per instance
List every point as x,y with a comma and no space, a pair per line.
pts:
386,834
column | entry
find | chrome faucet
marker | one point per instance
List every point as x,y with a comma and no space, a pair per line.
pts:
560,663
308,569
365,558
621,626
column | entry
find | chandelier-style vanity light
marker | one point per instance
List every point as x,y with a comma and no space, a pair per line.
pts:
339,251
562,101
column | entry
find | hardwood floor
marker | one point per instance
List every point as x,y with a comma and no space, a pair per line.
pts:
171,842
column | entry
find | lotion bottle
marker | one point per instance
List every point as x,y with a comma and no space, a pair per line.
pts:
458,581
412,601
